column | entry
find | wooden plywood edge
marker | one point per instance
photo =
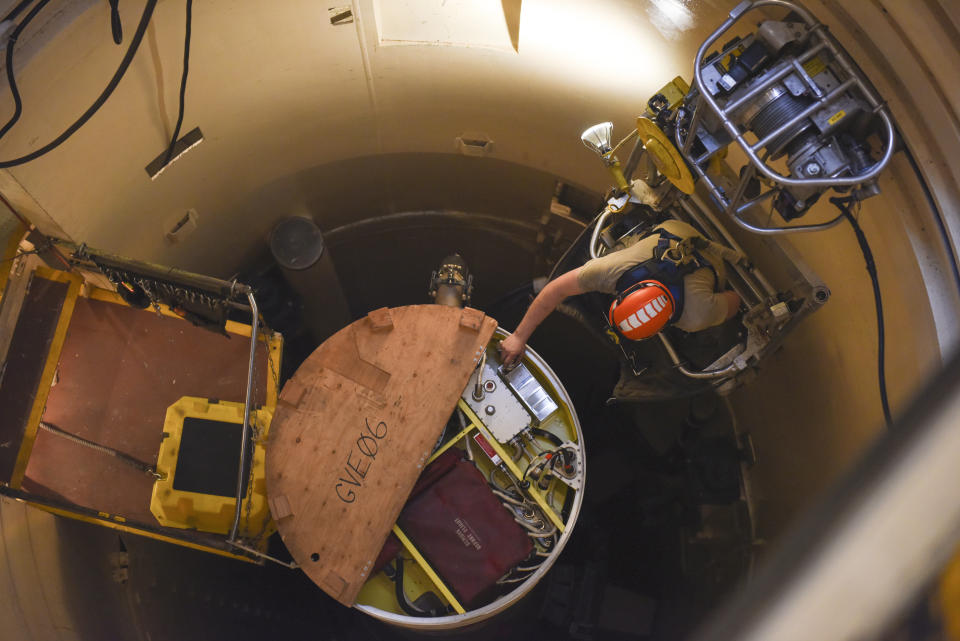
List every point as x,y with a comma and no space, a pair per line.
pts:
9,253
12,302
49,370
381,319
334,546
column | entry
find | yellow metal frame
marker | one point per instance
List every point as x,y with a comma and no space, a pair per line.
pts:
273,380
534,493
674,92
948,597
422,562
9,253
239,329
446,446
616,172
49,369
665,155
113,521
116,522
474,424
209,512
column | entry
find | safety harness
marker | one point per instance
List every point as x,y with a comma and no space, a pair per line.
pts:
668,265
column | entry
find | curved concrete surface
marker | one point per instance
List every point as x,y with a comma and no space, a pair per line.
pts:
356,122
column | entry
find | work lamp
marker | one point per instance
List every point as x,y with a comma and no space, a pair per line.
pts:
598,137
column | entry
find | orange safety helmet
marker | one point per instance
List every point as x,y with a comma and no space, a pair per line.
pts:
642,310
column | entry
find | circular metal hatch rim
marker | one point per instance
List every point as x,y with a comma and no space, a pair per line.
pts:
507,600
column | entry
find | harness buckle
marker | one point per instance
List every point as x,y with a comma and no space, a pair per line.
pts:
680,254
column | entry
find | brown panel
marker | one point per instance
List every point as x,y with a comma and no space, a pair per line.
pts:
353,428
11,300
27,357
120,369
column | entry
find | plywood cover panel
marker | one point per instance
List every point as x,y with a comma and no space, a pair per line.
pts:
353,428
120,369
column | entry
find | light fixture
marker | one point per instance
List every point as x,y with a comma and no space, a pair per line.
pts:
598,138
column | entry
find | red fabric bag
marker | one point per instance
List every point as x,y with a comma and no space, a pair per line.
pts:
464,532
460,527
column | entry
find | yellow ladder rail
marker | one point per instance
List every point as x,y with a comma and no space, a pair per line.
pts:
422,562
446,446
532,491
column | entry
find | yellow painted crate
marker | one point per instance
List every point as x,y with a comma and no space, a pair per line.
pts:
198,461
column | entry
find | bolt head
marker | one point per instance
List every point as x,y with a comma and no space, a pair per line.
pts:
490,410
812,169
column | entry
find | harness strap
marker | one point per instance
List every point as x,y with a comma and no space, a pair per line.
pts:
685,251
664,272
669,265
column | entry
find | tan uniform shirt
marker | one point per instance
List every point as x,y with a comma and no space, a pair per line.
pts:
702,306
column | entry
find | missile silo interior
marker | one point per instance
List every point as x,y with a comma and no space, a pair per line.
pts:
410,129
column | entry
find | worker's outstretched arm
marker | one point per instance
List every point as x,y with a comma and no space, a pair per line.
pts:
511,349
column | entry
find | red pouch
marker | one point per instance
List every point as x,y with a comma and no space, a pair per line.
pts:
460,527
443,464
464,532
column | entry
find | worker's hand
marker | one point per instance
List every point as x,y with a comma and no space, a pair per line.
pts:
511,349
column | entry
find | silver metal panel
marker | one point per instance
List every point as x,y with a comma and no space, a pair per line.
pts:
499,409
530,392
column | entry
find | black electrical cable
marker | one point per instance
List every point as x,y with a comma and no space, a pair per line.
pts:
19,255
11,78
116,24
102,98
402,600
405,605
550,436
843,204
16,10
183,84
